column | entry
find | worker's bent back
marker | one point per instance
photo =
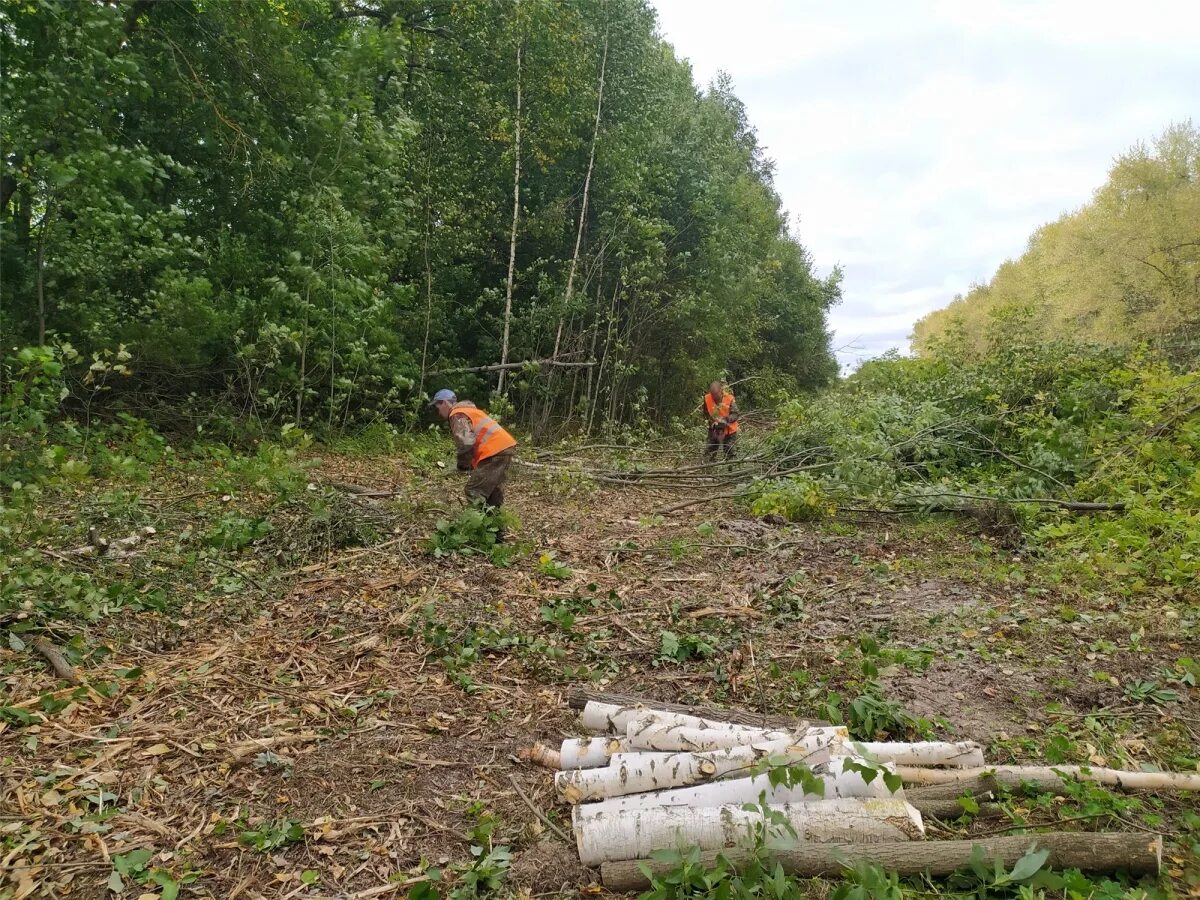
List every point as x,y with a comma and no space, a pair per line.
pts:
490,438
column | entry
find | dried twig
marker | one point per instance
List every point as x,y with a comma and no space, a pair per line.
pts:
537,812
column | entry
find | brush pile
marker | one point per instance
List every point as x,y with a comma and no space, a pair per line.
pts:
651,779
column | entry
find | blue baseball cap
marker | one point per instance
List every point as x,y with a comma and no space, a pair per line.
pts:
444,394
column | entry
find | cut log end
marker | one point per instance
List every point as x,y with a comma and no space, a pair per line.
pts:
541,755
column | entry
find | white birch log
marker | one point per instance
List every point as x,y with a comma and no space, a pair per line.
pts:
635,834
963,754
587,753
608,718
647,733
1128,781
838,784
632,773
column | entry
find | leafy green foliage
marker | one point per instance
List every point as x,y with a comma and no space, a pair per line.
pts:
679,648
758,876
1008,437
798,498
551,567
1119,270
272,835
476,530
306,257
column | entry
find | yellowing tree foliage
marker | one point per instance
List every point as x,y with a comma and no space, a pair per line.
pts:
1123,269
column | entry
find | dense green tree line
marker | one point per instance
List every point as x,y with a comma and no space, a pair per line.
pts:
1123,269
307,207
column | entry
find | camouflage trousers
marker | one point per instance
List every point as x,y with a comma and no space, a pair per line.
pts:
486,482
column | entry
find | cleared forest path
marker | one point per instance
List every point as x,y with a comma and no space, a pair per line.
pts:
327,741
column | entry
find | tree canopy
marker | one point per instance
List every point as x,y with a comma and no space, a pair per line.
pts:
307,207
1123,269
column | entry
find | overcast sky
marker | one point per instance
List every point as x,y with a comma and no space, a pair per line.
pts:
920,143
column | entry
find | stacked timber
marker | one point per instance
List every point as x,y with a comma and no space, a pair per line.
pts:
650,778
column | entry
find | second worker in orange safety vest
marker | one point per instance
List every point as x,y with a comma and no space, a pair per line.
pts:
484,448
722,413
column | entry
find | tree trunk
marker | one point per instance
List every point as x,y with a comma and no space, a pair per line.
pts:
1138,854
611,718
612,310
635,773
650,735
839,783
579,698
639,833
512,242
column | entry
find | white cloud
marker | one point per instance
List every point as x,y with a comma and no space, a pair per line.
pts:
920,144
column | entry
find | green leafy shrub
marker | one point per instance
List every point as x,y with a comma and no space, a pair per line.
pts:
476,530
799,498
1014,433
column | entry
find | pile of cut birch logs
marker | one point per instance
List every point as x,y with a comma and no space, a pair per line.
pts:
654,777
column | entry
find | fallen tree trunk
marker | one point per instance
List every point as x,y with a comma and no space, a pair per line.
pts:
612,718
636,834
963,754
1051,777
838,784
578,698
635,773
1137,854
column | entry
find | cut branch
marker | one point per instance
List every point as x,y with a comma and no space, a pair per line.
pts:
98,546
504,367
1051,777
58,662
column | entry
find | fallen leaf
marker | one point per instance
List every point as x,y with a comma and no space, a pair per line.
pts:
157,750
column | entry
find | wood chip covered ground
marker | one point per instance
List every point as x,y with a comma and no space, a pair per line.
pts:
341,735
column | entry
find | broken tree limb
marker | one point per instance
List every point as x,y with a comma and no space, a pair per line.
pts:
98,546
238,752
578,698
636,834
635,773
963,754
505,367
837,784
1052,777
1137,854
58,662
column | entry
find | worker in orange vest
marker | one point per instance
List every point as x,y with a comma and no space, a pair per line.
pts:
484,448
722,413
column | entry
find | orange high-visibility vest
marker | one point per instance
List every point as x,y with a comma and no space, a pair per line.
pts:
490,438
716,412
